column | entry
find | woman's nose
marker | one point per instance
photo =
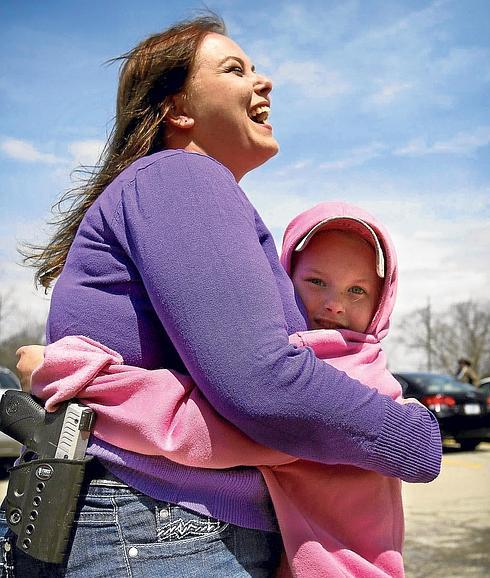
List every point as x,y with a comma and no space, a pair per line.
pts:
263,85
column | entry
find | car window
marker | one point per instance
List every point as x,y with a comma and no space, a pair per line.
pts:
8,381
441,384
404,385
485,388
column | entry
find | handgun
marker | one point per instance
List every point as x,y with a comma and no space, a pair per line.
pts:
44,484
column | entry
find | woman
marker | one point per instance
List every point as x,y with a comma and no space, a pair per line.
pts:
159,260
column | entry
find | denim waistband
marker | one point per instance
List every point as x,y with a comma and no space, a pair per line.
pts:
98,480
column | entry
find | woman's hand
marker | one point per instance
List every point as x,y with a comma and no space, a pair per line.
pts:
30,357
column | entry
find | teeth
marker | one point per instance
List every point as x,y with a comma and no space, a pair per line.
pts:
260,114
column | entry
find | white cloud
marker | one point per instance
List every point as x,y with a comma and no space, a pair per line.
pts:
25,151
439,258
405,56
302,164
311,77
463,143
275,212
459,59
416,52
28,304
82,152
389,92
441,261
355,158
86,152
17,232
17,280
418,22
329,23
442,241
415,148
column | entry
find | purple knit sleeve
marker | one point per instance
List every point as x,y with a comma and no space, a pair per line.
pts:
191,233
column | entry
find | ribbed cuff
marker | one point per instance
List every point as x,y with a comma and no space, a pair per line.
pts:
409,445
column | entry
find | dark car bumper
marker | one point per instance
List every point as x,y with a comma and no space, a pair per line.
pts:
466,427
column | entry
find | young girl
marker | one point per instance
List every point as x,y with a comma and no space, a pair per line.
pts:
335,520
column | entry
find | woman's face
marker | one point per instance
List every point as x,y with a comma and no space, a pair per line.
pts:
229,105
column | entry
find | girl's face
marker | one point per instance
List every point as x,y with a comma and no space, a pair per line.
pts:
228,103
335,276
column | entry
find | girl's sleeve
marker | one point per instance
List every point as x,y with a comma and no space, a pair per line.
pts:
191,233
181,426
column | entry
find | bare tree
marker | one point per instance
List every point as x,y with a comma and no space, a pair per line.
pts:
32,333
473,323
8,310
16,328
462,330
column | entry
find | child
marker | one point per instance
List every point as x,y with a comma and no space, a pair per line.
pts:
343,267
335,520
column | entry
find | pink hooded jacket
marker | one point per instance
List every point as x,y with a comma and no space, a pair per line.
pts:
335,520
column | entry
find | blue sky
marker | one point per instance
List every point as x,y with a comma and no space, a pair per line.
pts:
380,103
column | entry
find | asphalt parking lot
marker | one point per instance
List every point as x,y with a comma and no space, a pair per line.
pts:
447,521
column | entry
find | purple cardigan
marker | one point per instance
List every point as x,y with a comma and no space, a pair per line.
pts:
173,267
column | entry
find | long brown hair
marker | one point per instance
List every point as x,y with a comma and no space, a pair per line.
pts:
150,74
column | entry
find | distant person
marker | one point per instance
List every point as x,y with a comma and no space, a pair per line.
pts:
466,373
163,258
333,519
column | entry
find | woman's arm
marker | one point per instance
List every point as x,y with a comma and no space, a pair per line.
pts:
194,241
181,426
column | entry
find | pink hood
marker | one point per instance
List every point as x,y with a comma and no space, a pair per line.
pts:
304,222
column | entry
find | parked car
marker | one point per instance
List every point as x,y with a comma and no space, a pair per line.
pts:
9,448
485,385
463,411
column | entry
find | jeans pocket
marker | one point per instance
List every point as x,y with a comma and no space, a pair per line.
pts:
96,510
144,520
7,544
177,524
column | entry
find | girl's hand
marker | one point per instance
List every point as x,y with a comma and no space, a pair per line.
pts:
30,357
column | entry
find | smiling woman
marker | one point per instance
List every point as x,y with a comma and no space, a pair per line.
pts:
224,114
164,259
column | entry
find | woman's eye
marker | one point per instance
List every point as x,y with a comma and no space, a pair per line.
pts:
237,69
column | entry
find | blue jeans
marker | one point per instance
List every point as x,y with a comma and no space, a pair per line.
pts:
120,533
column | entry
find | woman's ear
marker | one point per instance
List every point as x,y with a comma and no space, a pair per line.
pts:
177,116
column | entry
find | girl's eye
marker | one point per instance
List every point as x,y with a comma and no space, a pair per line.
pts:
357,290
318,282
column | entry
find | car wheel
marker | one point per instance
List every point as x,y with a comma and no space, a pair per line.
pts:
468,445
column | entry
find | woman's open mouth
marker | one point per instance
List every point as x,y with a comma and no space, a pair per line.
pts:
260,114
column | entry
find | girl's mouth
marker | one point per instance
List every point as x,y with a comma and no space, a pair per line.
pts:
327,324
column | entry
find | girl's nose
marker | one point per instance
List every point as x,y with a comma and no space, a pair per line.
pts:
334,302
